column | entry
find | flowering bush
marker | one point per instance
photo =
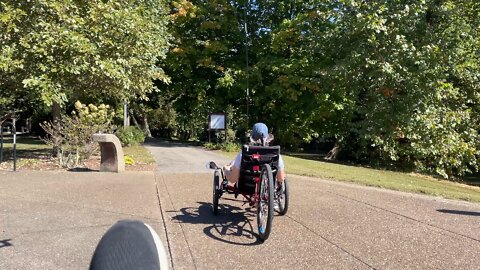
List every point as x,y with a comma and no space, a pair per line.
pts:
73,134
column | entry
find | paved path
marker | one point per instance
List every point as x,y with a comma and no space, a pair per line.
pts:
330,225
53,220
175,157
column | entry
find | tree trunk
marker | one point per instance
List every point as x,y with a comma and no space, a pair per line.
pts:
134,120
146,127
56,116
332,154
56,111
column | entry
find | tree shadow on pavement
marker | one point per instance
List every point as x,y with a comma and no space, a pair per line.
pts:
232,224
5,243
459,212
155,142
82,169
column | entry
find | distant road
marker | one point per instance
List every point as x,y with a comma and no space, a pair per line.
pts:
173,157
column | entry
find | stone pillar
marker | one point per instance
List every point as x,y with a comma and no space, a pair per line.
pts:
111,153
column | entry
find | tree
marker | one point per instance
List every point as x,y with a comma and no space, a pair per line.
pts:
58,51
390,82
204,62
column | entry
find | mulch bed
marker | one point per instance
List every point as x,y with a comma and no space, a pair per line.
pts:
50,164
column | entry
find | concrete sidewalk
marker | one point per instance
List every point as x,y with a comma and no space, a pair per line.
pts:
54,220
330,225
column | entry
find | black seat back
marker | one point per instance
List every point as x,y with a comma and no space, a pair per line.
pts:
253,157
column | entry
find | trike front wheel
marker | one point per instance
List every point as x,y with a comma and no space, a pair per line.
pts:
216,191
265,202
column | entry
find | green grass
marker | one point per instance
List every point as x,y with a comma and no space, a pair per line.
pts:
27,147
380,178
139,154
30,148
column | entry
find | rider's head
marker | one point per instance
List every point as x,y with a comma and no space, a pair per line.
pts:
259,133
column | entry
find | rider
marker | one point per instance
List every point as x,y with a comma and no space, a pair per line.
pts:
259,132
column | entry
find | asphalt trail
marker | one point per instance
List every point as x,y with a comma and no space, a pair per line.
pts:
330,225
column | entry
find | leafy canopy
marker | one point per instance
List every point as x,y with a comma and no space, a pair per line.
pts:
55,51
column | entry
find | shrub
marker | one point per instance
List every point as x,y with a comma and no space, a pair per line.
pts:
212,146
73,134
227,147
231,147
130,136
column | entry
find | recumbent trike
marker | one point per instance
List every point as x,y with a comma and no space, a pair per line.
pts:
257,185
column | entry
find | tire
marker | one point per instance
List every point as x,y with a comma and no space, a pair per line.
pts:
283,199
216,193
265,203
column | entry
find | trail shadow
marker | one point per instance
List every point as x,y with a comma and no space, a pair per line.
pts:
27,148
5,243
155,142
232,224
459,212
471,179
27,153
82,169
307,156
21,139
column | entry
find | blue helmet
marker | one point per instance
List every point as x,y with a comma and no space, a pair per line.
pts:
259,131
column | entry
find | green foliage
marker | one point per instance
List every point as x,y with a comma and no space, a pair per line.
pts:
226,146
388,81
393,82
204,65
408,100
72,135
231,147
158,116
130,135
212,146
53,51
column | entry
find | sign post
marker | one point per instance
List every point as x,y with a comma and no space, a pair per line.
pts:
1,142
126,118
14,129
217,121
14,132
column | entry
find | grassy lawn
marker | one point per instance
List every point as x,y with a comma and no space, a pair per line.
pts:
380,178
33,153
25,143
27,147
139,154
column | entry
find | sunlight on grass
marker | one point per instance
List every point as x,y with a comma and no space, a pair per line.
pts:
27,148
379,178
139,154
25,143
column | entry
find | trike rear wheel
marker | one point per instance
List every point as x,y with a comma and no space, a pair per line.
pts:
282,198
265,202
